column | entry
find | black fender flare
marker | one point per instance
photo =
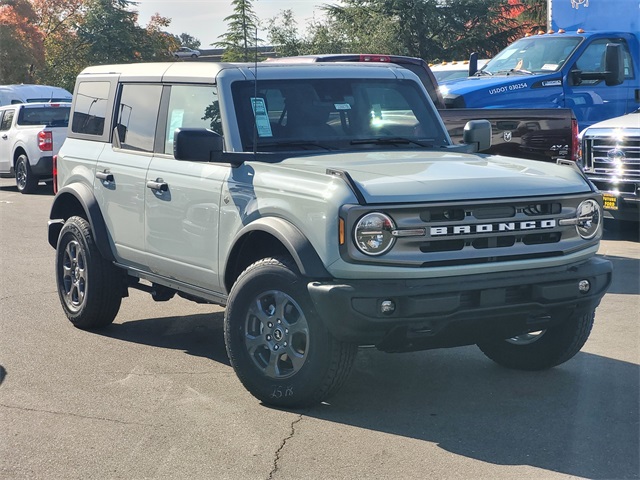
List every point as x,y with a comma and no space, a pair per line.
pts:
299,247
65,205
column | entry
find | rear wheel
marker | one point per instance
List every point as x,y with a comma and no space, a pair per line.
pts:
88,285
277,344
543,349
26,181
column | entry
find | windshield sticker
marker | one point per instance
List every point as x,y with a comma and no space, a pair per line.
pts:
342,106
263,126
174,122
549,66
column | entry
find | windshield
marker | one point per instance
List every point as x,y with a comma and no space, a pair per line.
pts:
533,55
335,114
50,116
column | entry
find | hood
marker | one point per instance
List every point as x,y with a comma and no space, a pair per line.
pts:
486,89
419,176
632,121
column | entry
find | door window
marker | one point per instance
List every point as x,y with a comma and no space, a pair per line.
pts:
137,116
5,123
192,106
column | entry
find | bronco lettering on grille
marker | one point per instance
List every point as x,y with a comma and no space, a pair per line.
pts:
492,227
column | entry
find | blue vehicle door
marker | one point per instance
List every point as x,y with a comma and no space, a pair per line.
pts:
593,100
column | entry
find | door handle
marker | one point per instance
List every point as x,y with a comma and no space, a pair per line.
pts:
158,184
105,176
5,136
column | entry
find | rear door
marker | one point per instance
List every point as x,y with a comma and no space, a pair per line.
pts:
121,170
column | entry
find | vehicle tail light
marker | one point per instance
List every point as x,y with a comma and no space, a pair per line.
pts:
375,58
575,141
45,141
55,173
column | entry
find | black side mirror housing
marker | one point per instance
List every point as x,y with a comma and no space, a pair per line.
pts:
197,145
473,64
477,133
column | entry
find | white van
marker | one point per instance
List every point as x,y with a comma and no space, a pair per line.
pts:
10,94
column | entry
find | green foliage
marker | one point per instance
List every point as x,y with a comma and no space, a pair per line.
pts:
240,40
186,40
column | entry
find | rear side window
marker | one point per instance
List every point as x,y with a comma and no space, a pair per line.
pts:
138,116
50,116
90,108
7,118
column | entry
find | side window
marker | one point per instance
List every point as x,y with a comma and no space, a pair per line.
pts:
592,59
5,124
90,108
192,106
137,114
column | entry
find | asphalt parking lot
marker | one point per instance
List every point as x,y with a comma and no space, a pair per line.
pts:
153,395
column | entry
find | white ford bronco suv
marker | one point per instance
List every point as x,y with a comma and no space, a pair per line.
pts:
326,207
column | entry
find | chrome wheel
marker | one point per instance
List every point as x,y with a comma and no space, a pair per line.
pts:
74,275
276,334
21,175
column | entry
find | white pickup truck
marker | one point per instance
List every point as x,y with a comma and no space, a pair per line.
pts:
30,135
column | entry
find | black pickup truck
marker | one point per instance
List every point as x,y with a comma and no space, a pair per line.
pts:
540,134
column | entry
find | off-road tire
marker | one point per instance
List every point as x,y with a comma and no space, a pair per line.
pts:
551,347
26,181
278,346
89,286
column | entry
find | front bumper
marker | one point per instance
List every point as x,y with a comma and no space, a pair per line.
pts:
453,311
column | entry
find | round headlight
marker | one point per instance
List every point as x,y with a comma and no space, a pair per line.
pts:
589,219
372,234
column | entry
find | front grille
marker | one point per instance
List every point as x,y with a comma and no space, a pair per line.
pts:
474,232
613,153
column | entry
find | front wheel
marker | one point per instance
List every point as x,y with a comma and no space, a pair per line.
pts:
543,349
26,181
277,344
88,285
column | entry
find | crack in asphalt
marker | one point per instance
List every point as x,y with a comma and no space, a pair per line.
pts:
276,458
68,414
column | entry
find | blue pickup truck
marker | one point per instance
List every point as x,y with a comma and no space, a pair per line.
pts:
587,61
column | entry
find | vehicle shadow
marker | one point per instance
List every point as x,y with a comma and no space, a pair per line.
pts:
200,335
42,190
614,230
626,275
579,419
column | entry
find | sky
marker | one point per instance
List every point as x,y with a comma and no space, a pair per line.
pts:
204,19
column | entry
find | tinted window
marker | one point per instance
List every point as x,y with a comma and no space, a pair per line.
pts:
90,108
137,115
5,124
49,116
192,106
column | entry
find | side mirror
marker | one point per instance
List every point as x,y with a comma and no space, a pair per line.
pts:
613,64
478,134
613,73
197,145
473,64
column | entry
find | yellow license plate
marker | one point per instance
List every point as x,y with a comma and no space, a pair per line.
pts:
610,202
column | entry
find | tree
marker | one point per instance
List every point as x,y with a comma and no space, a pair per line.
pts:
186,40
283,34
240,41
21,42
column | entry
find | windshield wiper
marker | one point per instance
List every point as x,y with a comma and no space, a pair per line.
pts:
519,71
481,73
390,141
